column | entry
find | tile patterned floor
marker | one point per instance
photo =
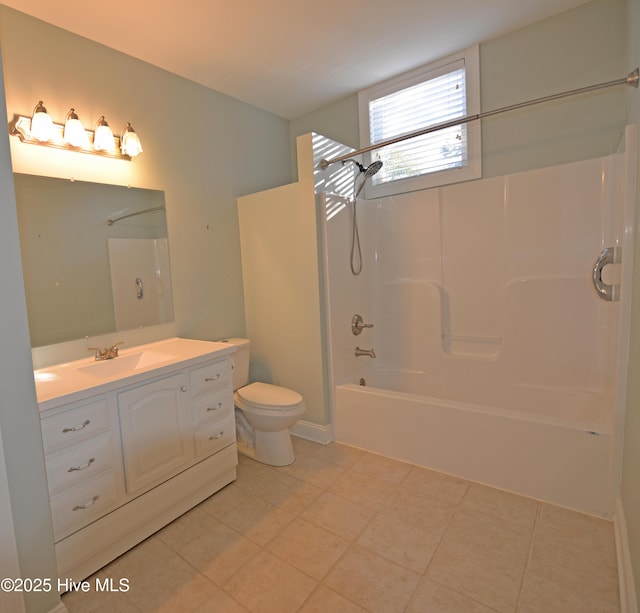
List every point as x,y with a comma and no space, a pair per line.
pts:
343,530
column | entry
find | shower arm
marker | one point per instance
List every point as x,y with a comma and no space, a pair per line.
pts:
631,80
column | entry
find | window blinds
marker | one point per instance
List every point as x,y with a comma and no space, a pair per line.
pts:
432,101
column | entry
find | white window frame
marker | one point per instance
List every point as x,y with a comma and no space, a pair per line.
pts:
473,168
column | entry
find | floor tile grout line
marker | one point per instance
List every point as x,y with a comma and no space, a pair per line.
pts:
425,575
529,557
319,582
211,581
378,513
199,571
354,541
261,549
444,534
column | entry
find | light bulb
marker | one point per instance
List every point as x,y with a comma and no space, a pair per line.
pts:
74,132
103,137
129,142
41,124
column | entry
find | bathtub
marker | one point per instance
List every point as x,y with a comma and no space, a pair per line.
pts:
552,444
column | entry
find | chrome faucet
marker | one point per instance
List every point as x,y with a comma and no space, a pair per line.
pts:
370,352
108,354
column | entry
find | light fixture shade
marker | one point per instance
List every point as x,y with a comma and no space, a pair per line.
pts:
74,132
41,124
103,137
129,142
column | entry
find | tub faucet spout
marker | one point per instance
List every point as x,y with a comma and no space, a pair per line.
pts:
370,352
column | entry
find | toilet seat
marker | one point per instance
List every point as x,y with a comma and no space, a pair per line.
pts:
268,397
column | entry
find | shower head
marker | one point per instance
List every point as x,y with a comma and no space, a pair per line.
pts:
369,171
372,169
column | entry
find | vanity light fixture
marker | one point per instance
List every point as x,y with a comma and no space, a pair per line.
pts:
74,133
40,129
41,124
103,136
129,142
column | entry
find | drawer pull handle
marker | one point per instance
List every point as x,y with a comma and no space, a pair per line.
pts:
76,428
89,463
209,379
86,505
216,408
184,388
214,437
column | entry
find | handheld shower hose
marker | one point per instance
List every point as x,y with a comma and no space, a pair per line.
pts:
356,250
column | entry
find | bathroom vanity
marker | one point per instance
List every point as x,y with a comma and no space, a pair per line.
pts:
133,442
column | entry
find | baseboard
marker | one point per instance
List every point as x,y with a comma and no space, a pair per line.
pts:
628,600
313,432
60,608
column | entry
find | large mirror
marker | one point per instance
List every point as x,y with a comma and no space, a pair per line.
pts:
95,258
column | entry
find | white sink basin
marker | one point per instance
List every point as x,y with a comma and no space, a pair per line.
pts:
124,364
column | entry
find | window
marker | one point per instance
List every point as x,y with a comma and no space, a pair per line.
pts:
434,94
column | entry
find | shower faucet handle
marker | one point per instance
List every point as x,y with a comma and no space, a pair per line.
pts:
358,325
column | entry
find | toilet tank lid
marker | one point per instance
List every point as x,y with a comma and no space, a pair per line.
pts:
265,395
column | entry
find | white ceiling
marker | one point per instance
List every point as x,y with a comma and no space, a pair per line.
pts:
290,57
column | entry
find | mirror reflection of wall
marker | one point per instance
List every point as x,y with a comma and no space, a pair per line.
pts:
64,237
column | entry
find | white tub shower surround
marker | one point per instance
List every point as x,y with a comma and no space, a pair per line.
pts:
496,360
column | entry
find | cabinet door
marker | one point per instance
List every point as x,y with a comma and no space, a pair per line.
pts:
156,425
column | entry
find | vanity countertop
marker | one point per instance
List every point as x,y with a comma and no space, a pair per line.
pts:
63,383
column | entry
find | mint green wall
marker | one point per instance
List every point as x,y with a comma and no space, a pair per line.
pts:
19,421
573,49
203,148
631,459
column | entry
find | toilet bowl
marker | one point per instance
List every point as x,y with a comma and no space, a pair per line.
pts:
270,410
264,413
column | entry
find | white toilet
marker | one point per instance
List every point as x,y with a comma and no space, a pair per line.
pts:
264,413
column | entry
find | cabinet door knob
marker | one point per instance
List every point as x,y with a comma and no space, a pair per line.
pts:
184,388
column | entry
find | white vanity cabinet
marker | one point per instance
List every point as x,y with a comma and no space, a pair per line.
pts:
131,452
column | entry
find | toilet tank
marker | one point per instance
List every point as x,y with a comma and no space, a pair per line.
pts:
240,360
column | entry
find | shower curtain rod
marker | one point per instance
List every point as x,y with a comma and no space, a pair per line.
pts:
156,208
631,79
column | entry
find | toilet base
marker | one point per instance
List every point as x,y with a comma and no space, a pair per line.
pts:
272,448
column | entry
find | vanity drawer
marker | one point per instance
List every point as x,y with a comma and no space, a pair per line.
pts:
75,425
81,464
82,505
212,406
210,376
215,436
